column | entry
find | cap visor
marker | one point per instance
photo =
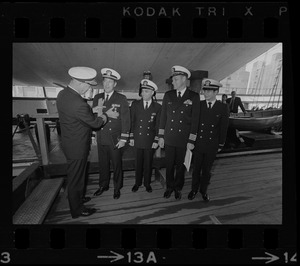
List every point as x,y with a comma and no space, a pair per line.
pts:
92,82
210,88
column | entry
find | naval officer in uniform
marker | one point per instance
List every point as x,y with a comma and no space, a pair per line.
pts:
175,132
211,136
145,114
112,137
76,123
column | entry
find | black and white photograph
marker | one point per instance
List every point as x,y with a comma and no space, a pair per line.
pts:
162,133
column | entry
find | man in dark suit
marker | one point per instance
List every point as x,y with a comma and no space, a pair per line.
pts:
211,136
76,122
113,136
145,114
175,132
233,137
234,103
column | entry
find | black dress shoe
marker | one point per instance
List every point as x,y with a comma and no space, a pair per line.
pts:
117,194
177,194
135,188
205,197
192,195
85,199
149,189
100,190
85,212
168,193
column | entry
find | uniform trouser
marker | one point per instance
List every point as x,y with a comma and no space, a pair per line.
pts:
202,162
175,156
76,175
143,166
107,153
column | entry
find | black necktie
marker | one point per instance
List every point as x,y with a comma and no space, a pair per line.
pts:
179,94
106,99
209,105
146,107
231,104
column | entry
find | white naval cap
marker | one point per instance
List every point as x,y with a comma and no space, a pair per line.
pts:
211,84
179,70
84,74
148,84
110,73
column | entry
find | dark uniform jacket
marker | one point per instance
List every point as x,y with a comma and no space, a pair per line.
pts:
114,128
212,127
176,118
76,122
144,124
236,104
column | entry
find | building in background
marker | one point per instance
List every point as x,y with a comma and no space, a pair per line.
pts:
258,83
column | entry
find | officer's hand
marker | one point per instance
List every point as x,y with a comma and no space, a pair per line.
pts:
97,109
190,146
131,142
94,141
112,114
120,144
154,145
220,147
161,142
100,102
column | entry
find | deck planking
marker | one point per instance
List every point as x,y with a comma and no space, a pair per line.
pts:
243,190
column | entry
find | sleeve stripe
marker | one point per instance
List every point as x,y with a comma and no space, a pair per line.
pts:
161,131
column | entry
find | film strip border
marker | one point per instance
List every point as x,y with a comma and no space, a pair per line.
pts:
150,22
145,21
161,244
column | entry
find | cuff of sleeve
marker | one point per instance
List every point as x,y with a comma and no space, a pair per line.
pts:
124,136
155,139
161,133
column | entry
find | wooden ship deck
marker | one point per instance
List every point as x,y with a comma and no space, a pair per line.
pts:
246,188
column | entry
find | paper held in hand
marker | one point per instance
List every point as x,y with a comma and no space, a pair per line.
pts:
188,159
